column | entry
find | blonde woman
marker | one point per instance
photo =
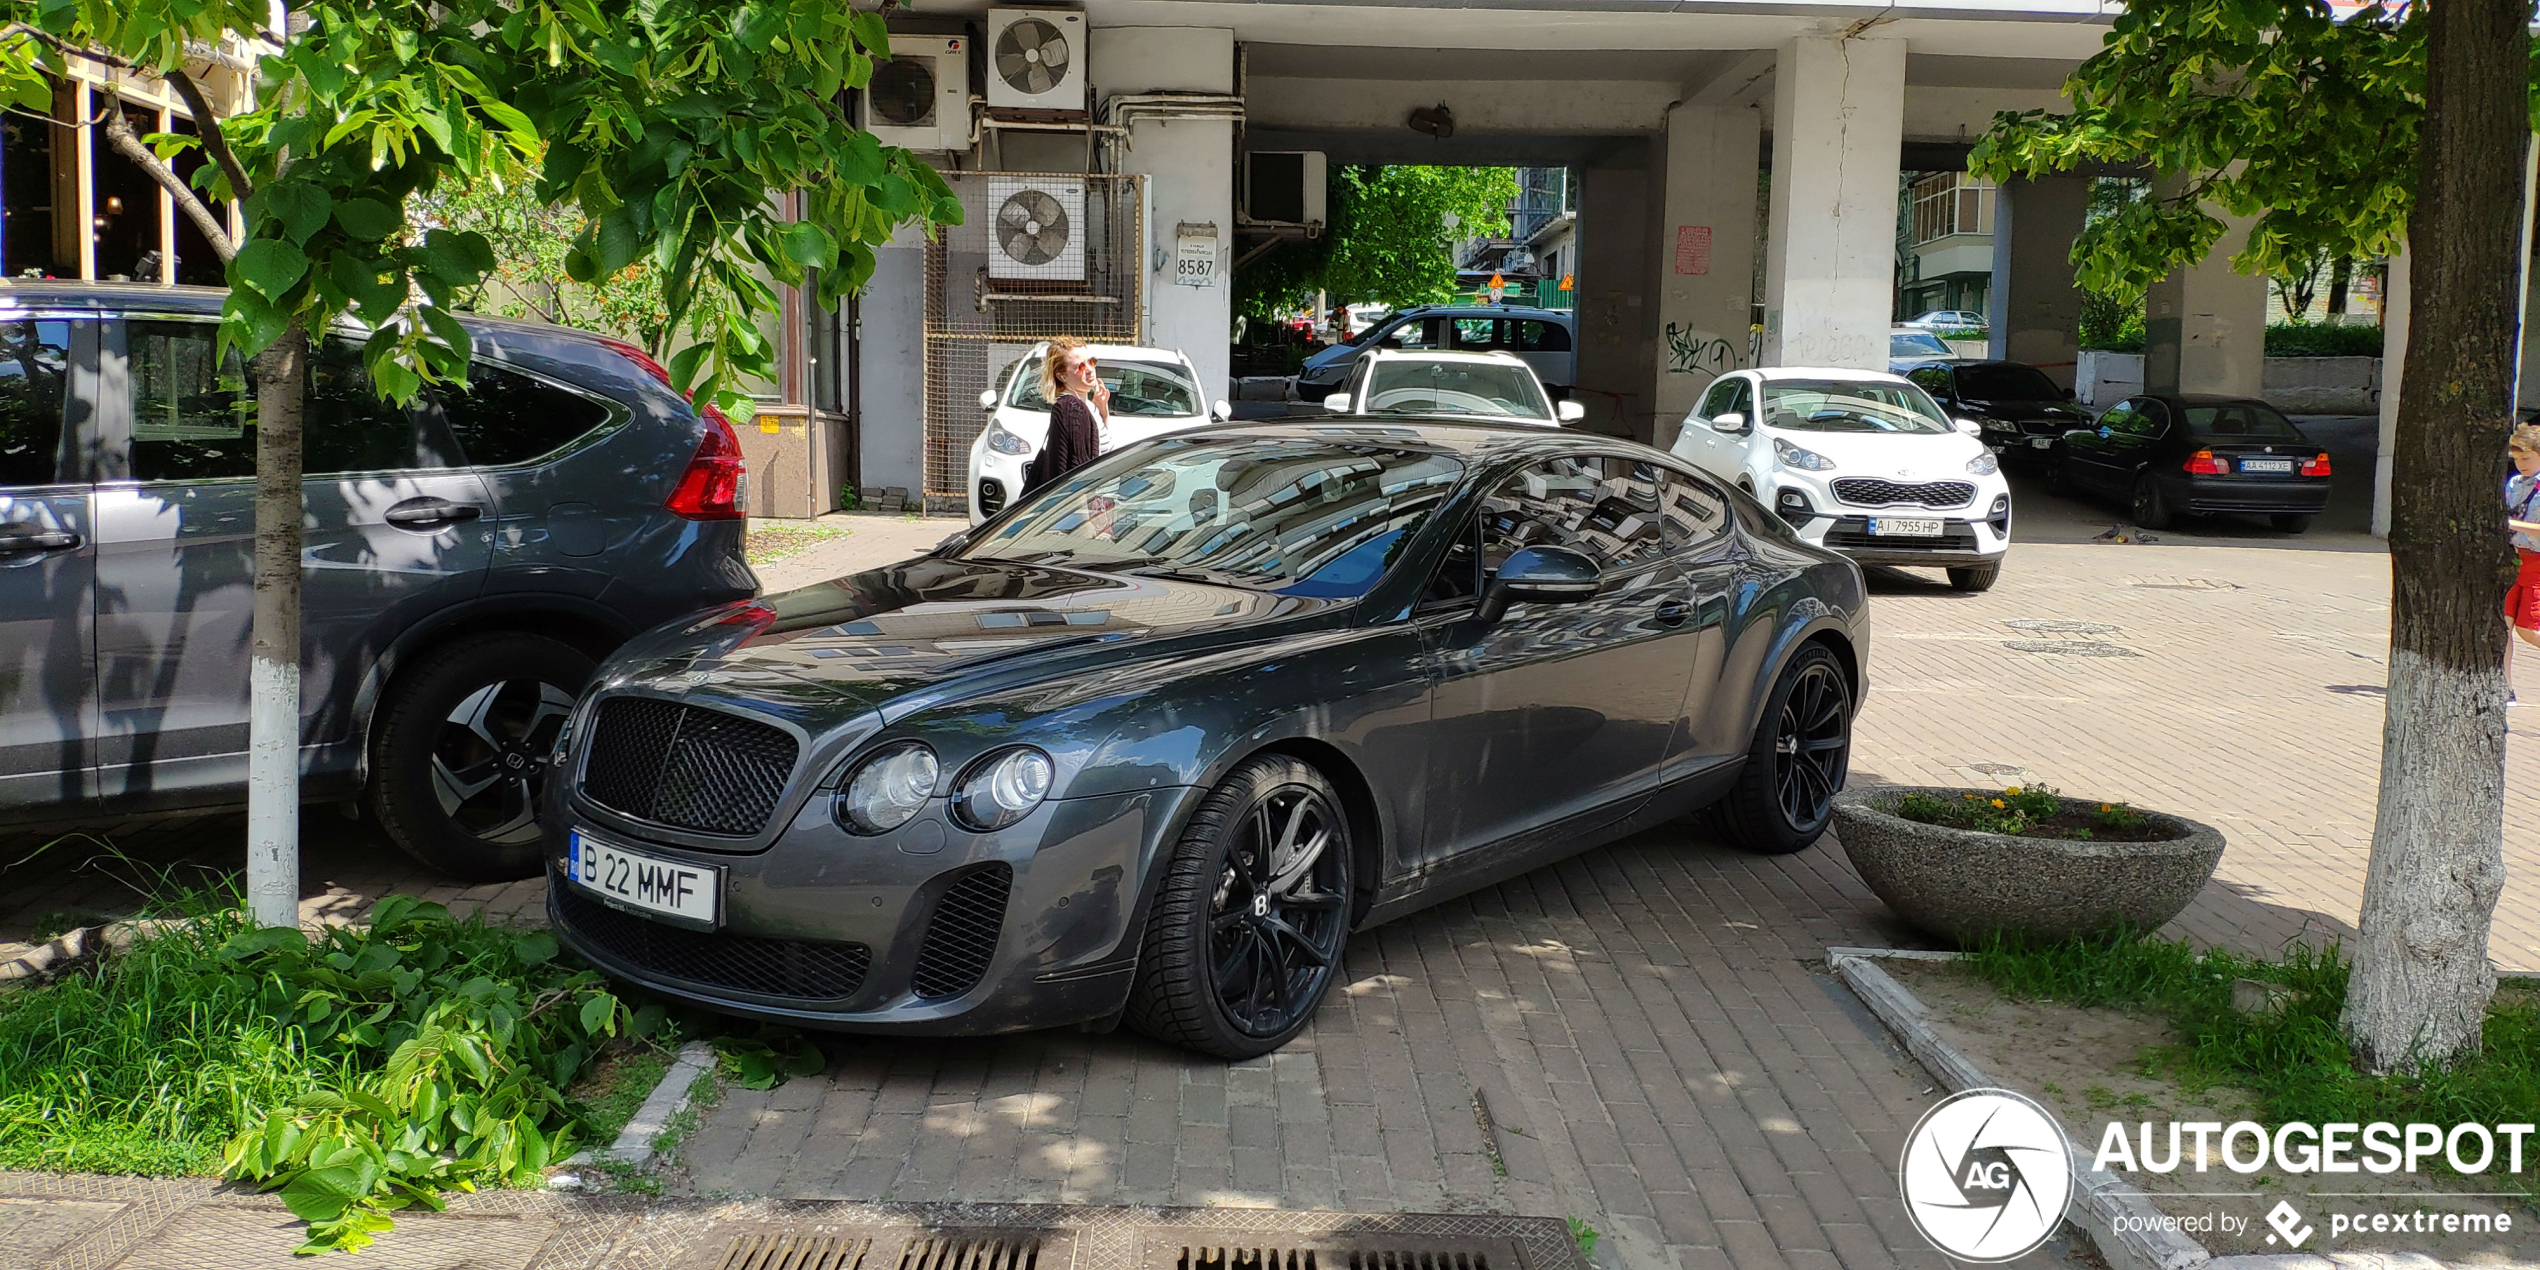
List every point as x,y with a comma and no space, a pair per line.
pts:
1079,406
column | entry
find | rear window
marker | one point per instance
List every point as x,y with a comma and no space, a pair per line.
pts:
1902,345
2241,419
504,417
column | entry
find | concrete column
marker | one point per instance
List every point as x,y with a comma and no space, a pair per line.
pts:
1190,169
1618,330
1829,281
2205,326
2527,373
2394,359
1706,256
2034,312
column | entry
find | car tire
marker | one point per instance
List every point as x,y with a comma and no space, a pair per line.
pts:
2151,508
2058,482
1229,895
1779,807
459,756
1975,577
2290,522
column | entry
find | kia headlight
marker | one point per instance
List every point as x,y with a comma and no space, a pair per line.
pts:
1983,464
1805,460
1003,789
1004,442
888,789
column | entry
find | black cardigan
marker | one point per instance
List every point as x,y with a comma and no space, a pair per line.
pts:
1075,439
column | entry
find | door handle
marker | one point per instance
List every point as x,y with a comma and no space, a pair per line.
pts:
427,513
14,538
1674,613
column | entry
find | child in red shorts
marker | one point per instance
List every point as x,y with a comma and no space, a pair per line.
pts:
2522,500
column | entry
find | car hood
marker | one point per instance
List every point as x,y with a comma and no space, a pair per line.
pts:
927,630
1890,456
2027,411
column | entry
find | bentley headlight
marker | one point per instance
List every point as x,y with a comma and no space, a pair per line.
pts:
1002,790
1004,442
1805,460
888,789
1984,464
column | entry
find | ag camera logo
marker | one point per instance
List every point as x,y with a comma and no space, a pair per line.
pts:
1986,1175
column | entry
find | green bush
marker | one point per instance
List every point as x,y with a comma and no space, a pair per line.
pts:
2318,339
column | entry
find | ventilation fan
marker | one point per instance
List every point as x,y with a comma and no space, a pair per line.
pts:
1036,229
1036,59
920,98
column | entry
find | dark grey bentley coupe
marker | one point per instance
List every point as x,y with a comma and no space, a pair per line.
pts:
1150,745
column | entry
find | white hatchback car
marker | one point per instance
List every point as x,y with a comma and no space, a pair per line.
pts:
1495,386
1153,391
1861,462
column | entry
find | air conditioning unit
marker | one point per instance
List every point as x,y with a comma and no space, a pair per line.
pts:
919,99
1284,186
1036,60
1036,229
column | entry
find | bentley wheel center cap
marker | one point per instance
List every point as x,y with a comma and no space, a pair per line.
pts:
1261,906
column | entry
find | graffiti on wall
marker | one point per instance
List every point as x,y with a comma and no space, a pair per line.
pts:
1692,352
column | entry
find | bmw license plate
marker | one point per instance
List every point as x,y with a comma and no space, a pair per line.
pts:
636,879
2266,465
1903,527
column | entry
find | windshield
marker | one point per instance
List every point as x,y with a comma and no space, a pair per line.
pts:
1491,390
1137,388
1299,518
2241,419
2007,381
1826,405
1901,345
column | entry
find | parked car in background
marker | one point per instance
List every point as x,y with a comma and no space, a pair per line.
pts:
1910,346
1946,320
2169,455
469,558
2024,416
1150,745
1153,391
1492,386
1545,339
1864,463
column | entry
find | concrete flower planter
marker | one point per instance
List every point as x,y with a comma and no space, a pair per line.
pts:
1968,886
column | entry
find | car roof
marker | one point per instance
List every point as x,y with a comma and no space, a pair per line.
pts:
1479,310
2205,399
1474,439
1770,373
1496,357
109,297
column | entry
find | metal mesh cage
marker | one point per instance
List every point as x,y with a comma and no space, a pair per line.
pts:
1037,255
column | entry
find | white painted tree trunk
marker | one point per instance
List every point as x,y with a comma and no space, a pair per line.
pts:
273,682
2421,977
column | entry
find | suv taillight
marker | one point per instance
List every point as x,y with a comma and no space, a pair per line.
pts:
2203,463
2315,467
711,488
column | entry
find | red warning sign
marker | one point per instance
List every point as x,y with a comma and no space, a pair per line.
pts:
1693,249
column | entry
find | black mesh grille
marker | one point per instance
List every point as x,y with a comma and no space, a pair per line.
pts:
744,963
1854,531
991,496
961,938
679,765
1867,491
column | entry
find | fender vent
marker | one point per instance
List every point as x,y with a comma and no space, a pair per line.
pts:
961,937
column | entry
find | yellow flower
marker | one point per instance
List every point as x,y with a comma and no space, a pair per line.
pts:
1997,802
2012,790
2106,807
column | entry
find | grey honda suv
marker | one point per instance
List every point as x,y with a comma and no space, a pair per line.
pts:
468,560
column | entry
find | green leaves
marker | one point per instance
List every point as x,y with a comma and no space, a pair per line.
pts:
367,219
269,267
298,207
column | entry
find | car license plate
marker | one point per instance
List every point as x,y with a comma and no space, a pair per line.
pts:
2041,443
1901,527
2266,465
639,880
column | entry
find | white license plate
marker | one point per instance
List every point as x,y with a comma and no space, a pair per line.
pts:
2266,465
640,880
2041,443
1901,527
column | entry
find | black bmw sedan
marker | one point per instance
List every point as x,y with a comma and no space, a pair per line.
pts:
1147,747
2169,455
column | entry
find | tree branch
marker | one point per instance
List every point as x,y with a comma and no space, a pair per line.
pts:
207,126
73,50
119,133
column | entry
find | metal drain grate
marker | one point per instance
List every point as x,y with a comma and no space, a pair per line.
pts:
1224,1258
1430,1243
2069,647
996,1250
1388,1259
781,1251
2058,626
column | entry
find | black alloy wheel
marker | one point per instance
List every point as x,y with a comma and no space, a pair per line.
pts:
2151,510
1801,755
461,752
1253,913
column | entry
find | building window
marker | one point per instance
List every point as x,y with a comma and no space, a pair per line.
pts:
37,161
1951,203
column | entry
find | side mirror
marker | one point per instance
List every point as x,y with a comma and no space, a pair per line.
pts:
1969,427
1732,422
1540,575
1568,411
1221,412
1337,403
987,399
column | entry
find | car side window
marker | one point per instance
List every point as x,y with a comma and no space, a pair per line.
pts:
1459,575
1357,380
34,365
2150,419
1716,399
1741,400
1933,380
504,417
1693,511
1478,333
2119,418
1603,506
194,419
1533,335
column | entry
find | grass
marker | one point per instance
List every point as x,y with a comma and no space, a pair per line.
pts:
770,544
615,1090
2294,1060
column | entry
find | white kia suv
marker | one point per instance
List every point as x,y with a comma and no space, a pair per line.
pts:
1861,462
1496,386
1153,391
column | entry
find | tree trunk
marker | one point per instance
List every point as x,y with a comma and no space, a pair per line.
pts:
273,677
2421,979
2340,275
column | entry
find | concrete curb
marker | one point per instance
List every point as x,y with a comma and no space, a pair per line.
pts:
73,949
634,1145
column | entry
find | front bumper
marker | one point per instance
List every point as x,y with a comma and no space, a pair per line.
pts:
996,480
1974,534
902,932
